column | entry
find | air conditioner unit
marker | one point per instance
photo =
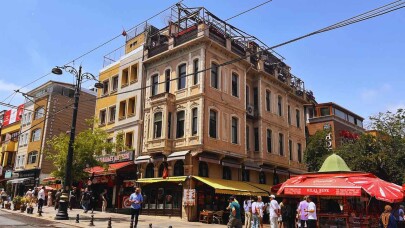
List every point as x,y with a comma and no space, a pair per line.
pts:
250,110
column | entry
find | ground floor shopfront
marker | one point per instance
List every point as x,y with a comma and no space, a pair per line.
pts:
24,180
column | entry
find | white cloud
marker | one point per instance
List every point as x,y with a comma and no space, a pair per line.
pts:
370,94
8,87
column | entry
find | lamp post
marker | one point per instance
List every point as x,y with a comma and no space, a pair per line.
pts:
64,199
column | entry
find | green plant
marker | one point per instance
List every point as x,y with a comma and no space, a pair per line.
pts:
17,200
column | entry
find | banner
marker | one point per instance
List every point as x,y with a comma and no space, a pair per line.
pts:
13,115
323,191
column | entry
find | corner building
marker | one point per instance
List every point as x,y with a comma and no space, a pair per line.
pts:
236,125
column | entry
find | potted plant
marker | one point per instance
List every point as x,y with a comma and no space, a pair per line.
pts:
17,202
8,205
23,204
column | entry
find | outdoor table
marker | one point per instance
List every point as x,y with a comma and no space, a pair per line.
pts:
206,216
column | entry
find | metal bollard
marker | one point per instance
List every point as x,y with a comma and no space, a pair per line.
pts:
170,227
150,225
92,221
77,218
92,210
109,223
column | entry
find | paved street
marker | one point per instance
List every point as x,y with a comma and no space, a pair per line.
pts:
17,219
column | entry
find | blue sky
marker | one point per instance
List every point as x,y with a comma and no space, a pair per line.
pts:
361,67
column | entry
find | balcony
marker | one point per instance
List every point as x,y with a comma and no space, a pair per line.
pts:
254,60
217,35
238,48
162,98
9,146
186,35
159,48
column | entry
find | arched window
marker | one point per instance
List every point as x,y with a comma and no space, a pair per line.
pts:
32,157
245,174
202,169
213,124
262,178
226,173
178,168
162,168
150,172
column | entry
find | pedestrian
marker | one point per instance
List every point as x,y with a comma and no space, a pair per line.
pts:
401,213
274,212
258,209
72,198
86,197
136,201
235,218
49,199
3,197
301,214
286,214
57,198
35,195
311,222
247,207
103,196
387,220
41,198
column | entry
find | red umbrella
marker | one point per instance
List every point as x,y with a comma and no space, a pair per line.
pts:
380,189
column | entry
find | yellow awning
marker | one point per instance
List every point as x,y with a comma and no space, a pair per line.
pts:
264,187
160,179
232,187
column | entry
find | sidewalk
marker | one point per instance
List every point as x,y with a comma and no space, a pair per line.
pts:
118,220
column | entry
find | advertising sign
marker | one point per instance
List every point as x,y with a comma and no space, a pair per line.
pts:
13,115
121,157
323,191
189,197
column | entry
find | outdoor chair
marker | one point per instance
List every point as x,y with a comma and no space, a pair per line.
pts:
217,217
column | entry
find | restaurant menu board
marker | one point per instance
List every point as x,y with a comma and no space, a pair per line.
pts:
189,197
323,191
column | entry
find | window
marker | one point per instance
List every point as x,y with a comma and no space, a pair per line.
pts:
195,76
235,85
213,124
178,168
325,111
18,161
131,106
247,96
202,169
299,152
129,138
194,121
134,73
105,87
289,114
14,136
162,168
124,79
280,105
111,114
180,124
167,80
262,178
245,174
340,114
268,101
36,135
290,149
32,157
181,77
28,118
350,118
247,138
150,171
26,139
157,126
256,135
155,84
169,125
256,98
102,116
235,130
269,141
359,123
214,76
22,160
226,173
39,113
122,114
297,117
281,144
115,83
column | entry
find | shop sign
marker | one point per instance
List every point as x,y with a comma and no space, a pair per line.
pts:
27,174
121,157
8,174
328,139
189,197
324,191
103,179
125,202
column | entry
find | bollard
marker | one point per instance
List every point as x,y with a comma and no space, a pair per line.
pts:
109,223
150,225
92,221
132,224
92,210
77,218
170,227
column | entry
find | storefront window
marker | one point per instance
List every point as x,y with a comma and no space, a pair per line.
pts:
226,173
245,175
178,168
202,169
150,173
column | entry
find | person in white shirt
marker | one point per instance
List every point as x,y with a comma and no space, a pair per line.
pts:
311,223
247,207
274,212
41,198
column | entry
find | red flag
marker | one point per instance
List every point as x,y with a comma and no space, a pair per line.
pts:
124,33
165,173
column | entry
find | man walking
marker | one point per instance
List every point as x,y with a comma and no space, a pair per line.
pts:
301,212
274,212
235,218
247,207
86,197
41,198
57,198
311,222
136,200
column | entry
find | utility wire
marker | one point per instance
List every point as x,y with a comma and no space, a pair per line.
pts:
237,15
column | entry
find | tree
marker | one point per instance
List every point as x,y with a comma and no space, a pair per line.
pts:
316,150
88,144
381,153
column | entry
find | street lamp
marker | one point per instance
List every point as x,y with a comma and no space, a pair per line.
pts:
64,199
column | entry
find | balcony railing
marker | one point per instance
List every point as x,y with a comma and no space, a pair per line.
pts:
237,48
186,35
158,49
217,36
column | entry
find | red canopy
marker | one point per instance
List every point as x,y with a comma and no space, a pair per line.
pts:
342,184
112,168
